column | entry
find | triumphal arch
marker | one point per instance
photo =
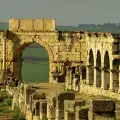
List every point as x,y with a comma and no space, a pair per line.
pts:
91,58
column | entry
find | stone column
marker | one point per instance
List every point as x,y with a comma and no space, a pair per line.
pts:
95,73
67,79
52,67
50,76
62,69
43,109
3,73
59,112
102,76
81,112
119,80
4,50
74,83
111,77
50,111
111,81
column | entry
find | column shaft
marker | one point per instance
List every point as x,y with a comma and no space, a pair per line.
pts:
111,76
4,51
102,78
111,81
119,80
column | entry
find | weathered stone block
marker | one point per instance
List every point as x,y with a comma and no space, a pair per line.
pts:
101,116
81,113
80,103
65,96
60,105
26,24
50,112
29,91
49,24
59,114
69,115
13,24
102,105
39,96
69,105
38,24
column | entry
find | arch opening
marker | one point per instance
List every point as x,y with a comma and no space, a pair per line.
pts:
115,75
98,70
91,67
35,63
106,71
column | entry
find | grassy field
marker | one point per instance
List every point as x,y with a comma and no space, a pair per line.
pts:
35,67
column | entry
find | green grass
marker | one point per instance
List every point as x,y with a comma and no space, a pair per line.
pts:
35,52
5,102
35,70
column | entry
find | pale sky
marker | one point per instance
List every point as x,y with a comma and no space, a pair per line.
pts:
66,12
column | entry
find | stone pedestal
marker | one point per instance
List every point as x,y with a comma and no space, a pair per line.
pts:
59,112
102,109
81,113
69,115
43,110
50,112
101,116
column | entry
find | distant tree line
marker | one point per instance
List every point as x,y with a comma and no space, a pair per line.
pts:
105,25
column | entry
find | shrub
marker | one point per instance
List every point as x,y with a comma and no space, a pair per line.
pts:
17,114
7,101
3,95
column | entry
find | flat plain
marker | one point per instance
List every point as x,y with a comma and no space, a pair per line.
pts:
35,65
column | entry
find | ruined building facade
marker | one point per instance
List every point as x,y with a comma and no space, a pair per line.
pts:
77,58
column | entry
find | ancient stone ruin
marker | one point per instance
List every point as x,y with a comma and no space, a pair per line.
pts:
79,61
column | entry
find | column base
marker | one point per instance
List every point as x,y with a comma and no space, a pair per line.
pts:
111,89
119,90
87,82
102,87
94,85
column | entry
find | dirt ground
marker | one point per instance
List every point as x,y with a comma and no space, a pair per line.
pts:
49,88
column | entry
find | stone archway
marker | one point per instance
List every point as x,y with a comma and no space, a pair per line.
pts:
98,69
106,72
19,49
91,67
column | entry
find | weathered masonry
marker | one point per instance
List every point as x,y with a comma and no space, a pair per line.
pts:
89,58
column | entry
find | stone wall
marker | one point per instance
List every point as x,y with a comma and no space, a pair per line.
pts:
65,48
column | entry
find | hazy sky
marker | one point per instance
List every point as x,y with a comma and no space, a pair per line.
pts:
66,12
